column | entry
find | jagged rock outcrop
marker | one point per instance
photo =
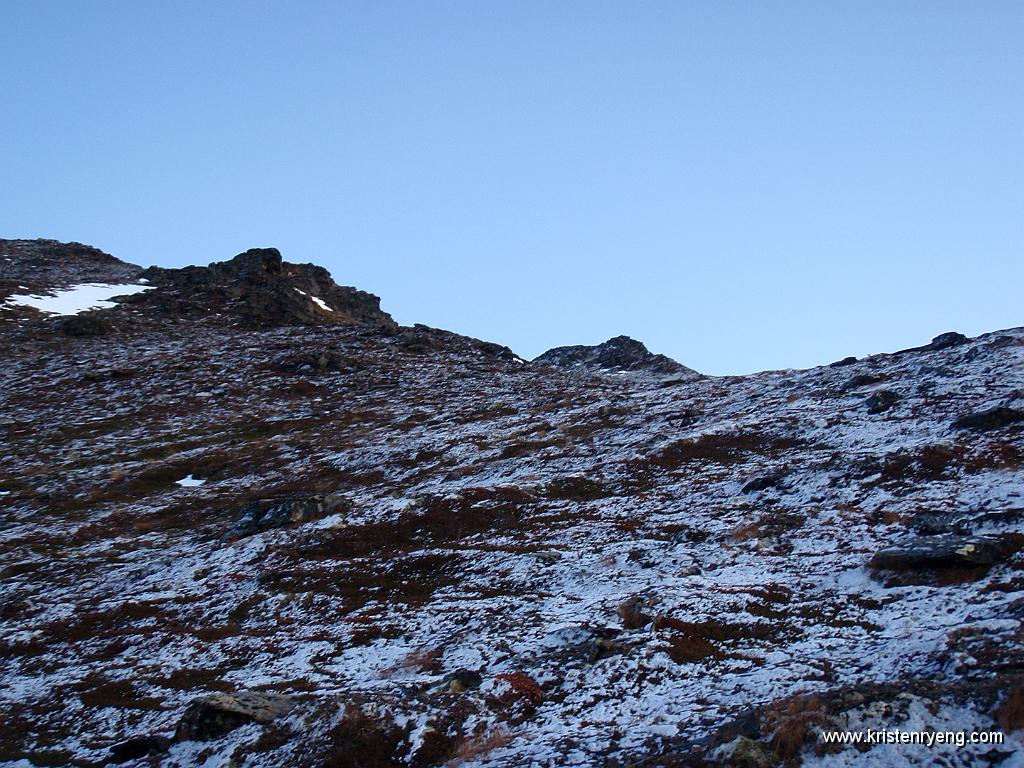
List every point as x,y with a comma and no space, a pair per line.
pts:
620,353
43,264
260,289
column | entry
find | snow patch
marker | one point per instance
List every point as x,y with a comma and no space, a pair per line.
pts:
77,298
320,302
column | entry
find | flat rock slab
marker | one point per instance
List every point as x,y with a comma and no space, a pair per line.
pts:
938,552
210,717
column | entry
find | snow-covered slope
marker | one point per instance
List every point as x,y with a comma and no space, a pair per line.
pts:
417,549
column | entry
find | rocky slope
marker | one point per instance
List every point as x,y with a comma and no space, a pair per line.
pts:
617,354
245,533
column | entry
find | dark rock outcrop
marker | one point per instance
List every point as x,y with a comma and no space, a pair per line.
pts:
136,748
940,342
844,362
210,717
261,290
947,551
265,514
316,362
987,420
773,480
862,380
84,325
881,401
620,353
46,264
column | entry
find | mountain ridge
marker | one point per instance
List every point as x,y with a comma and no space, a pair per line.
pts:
291,543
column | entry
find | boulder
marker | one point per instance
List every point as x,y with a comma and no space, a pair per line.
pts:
461,681
844,362
265,514
948,551
946,340
632,612
940,342
881,401
210,717
764,482
136,748
315,362
990,419
862,380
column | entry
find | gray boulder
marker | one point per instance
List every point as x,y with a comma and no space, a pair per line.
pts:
210,717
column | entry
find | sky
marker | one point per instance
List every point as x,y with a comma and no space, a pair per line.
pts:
740,185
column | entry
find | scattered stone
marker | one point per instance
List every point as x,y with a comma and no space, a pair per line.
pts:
930,523
881,401
763,483
988,420
862,380
210,717
462,680
315,362
631,612
265,514
137,747
744,752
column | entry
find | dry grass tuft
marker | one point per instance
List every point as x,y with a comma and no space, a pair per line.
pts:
1010,714
792,723
358,739
477,747
523,685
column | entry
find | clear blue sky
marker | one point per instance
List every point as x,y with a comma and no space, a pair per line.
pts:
741,185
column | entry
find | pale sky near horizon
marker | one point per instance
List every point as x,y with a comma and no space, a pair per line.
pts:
740,185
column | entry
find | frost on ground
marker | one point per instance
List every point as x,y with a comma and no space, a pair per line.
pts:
412,547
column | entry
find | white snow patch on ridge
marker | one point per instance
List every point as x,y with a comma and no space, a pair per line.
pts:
77,298
320,302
